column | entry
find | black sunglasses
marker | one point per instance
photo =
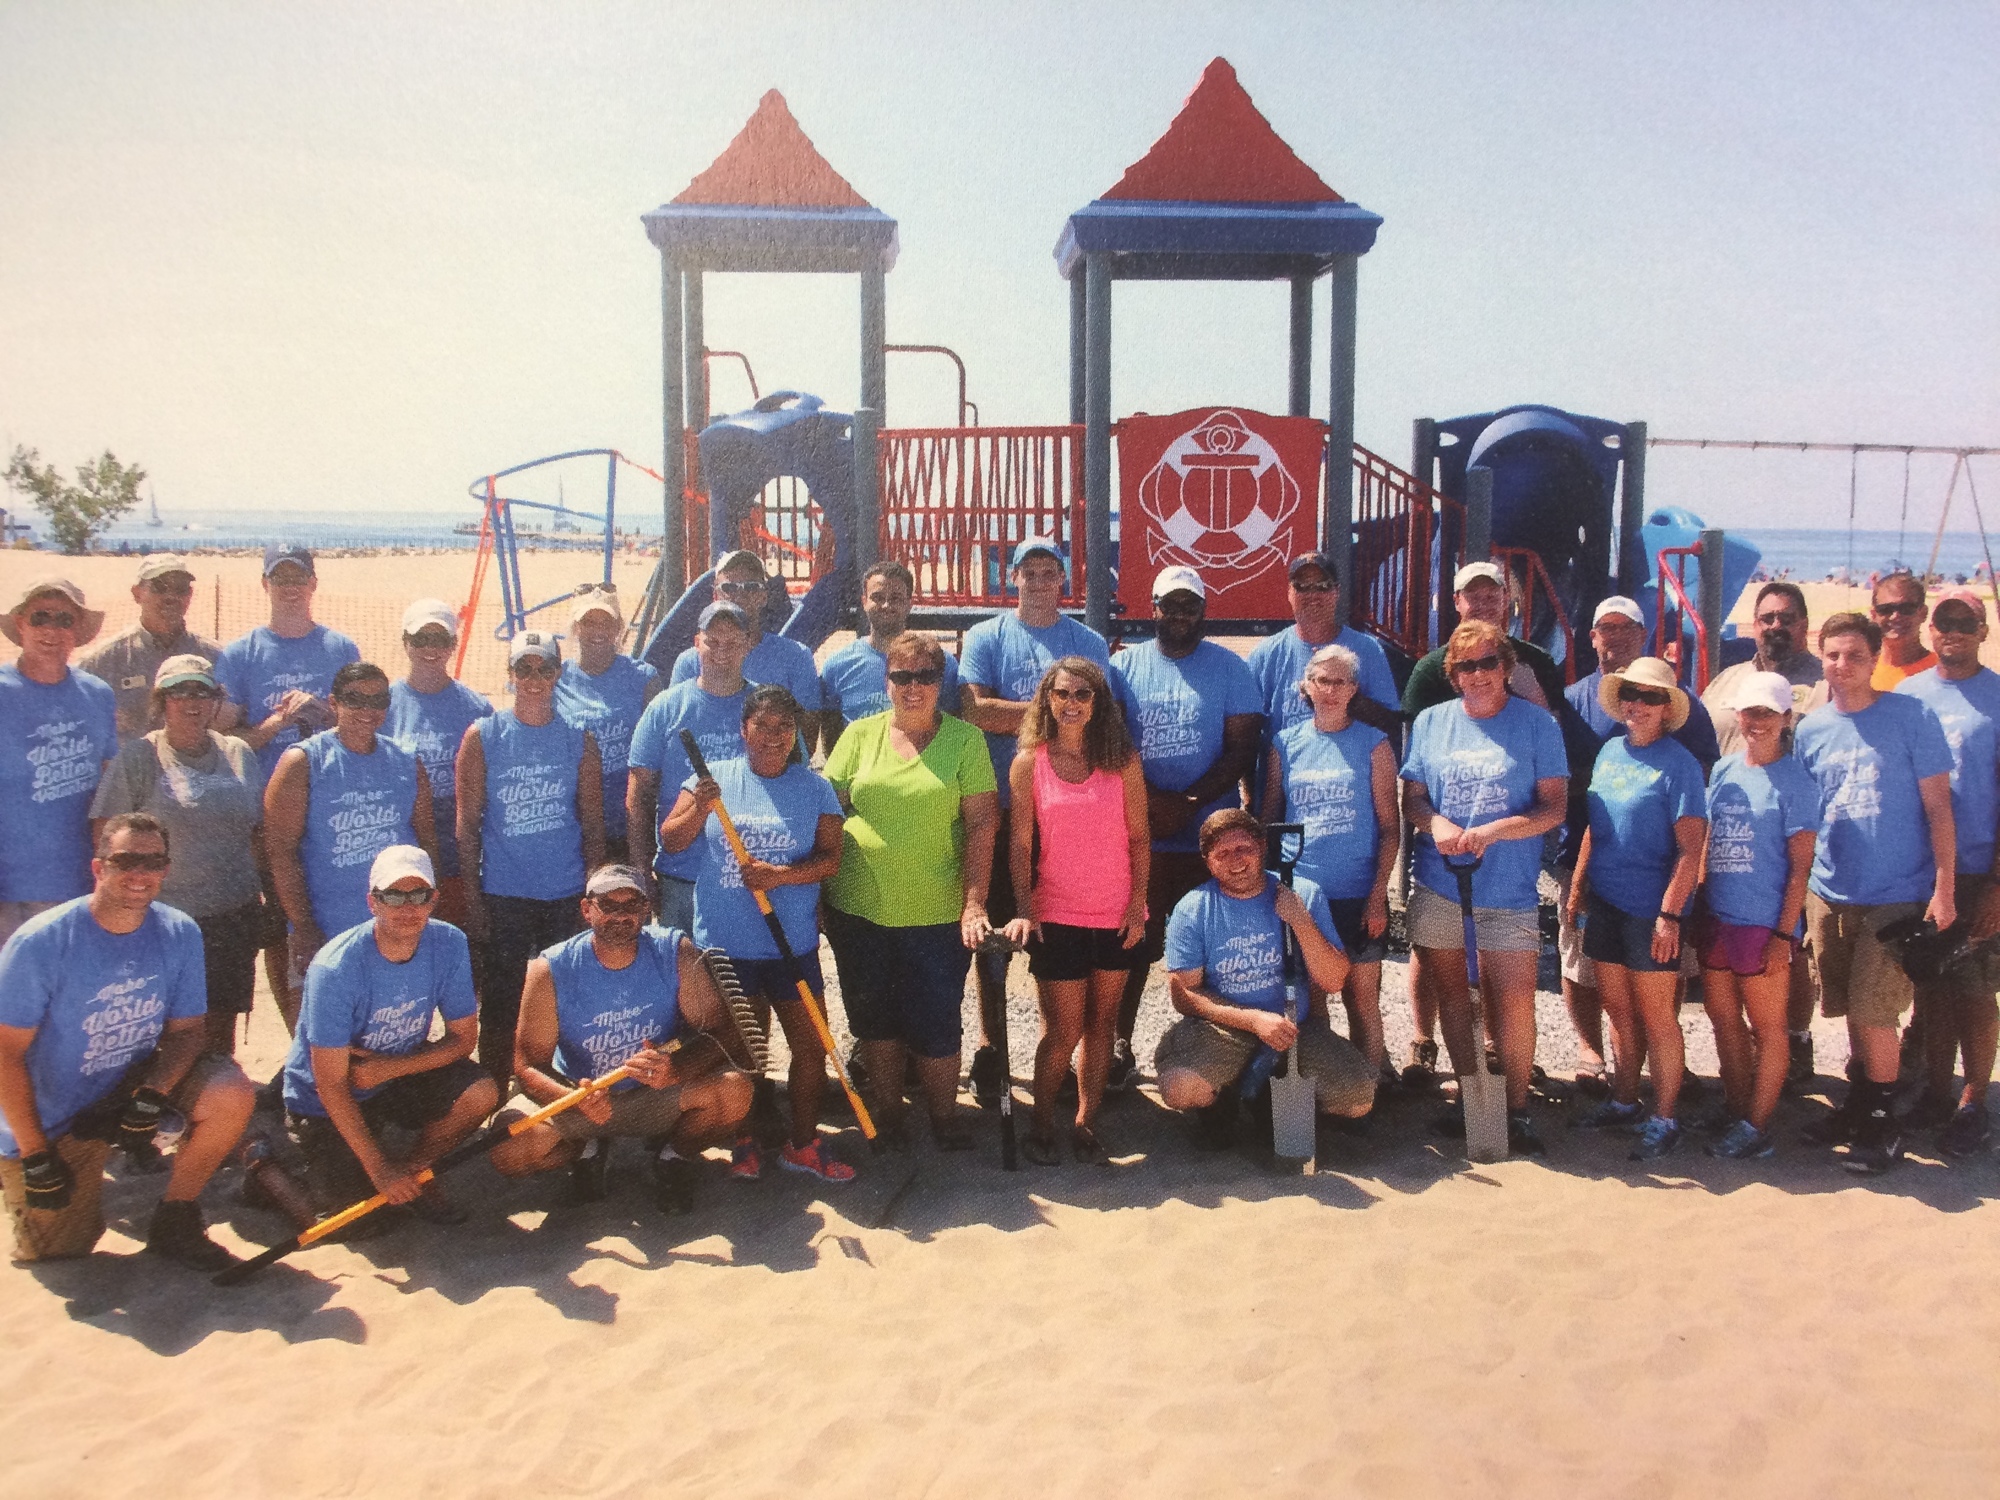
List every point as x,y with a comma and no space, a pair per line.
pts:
430,639
367,702
1651,697
927,677
170,587
58,619
419,897
631,906
128,861
1074,695
541,667
1478,664
190,690
1904,608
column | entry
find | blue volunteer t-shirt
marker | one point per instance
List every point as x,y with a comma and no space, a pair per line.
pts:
778,818
531,843
54,741
258,669
1238,942
775,661
603,1015
1637,794
430,726
854,683
1874,840
1969,713
97,1001
1007,659
1477,771
716,721
356,806
354,997
1752,812
608,705
1279,661
1176,710
1329,782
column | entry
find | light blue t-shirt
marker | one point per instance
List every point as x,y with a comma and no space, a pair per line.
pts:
602,1015
1006,658
1238,942
430,726
258,669
54,741
356,806
1969,713
1329,782
1175,711
608,705
855,682
716,722
779,820
1637,794
354,997
1279,661
1752,812
1477,771
531,843
97,1001
1874,840
775,661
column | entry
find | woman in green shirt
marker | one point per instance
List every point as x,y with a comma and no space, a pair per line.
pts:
908,905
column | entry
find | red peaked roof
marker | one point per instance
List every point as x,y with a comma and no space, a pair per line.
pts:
1219,149
771,164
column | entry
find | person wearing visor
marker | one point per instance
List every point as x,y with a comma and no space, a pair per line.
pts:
363,1058
854,683
72,1088
530,823
429,712
130,662
614,996
604,691
206,790
1957,1009
58,733
1763,811
740,580
1635,875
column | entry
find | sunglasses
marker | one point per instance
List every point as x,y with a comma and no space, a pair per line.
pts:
367,702
542,668
1906,608
1478,664
1312,588
52,619
171,589
928,677
1651,697
430,640
736,589
127,861
1955,624
1073,695
631,906
1789,617
421,896
190,690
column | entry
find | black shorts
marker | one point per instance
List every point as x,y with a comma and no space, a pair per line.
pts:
1350,920
229,944
1066,952
411,1102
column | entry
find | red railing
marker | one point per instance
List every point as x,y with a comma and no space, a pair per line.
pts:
1397,518
1676,611
1530,585
956,500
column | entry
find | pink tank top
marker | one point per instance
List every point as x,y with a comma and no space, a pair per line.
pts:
1086,872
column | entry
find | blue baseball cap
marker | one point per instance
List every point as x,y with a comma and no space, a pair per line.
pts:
722,609
1030,546
288,552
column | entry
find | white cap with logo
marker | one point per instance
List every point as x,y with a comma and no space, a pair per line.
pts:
1177,580
1619,605
400,862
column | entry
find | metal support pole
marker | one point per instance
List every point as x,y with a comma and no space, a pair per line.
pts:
1302,338
1337,524
696,361
1076,349
867,489
673,457
1097,443
610,511
1711,601
1478,515
1424,450
1632,511
874,336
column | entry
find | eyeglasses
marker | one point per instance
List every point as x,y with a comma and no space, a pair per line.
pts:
365,702
927,677
1784,617
170,587
737,588
632,906
1313,588
1906,608
1478,664
52,619
184,691
540,667
430,640
421,896
1073,695
1651,697
127,861
1332,682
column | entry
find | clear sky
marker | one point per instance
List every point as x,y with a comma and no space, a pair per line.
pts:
353,255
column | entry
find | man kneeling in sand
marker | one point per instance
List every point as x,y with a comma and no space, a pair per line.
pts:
1225,974
617,994
103,1011
363,1058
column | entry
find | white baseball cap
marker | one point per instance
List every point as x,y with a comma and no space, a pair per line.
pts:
1176,580
1472,572
534,643
596,599
1772,690
400,862
1618,604
424,612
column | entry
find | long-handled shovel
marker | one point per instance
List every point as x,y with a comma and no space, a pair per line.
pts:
479,1145
771,921
1482,1096
1294,1101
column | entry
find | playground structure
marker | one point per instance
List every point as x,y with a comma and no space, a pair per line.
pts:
1555,497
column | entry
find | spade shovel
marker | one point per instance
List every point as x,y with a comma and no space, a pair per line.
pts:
1483,1096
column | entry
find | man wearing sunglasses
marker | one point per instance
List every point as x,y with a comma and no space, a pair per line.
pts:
612,997
103,1010
1898,603
770,659
1480,591
429,712
363,1058
1279,661
1778,620
58,733
130,661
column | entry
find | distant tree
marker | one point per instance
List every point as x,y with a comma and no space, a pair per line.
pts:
78,513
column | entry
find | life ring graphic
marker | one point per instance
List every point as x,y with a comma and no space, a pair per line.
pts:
1216,498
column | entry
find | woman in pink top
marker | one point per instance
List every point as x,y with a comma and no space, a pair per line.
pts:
1079,867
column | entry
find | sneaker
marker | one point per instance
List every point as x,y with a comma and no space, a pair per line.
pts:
1422,1070
1658,1139
1878,1146
673,1184
1609,1114
813,1159
1743,1142
1932,1111
1799,1071
1834,1128
587,1174
988,1077
177,1233
1967,1131
746,1160
1124,1071
1522,1138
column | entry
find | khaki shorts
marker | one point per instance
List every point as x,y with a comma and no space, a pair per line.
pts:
1435,922
634,1112
1858,977
1343,1083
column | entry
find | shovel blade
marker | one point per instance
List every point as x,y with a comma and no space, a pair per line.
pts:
1485,1098
1292,1125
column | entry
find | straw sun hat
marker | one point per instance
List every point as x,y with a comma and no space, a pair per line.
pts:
1646,672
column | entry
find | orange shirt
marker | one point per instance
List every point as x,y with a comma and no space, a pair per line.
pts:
1888,674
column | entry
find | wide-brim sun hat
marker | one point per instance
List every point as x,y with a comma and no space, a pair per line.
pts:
88,621
1646,672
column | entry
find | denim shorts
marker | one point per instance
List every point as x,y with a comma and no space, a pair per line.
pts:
901,984
770,979
1611,936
